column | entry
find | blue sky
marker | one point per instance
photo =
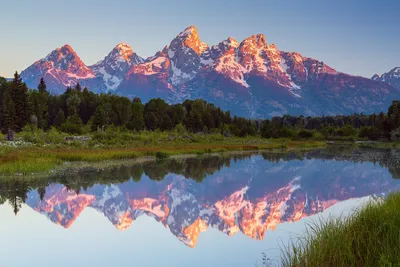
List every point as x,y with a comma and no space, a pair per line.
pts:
357,37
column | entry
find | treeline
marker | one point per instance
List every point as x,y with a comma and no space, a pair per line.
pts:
79,111
372,127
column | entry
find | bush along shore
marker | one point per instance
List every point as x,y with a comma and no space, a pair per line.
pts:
368,237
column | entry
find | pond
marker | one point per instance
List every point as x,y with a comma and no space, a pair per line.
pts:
217,210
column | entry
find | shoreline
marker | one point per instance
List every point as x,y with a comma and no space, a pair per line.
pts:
30,161
33,162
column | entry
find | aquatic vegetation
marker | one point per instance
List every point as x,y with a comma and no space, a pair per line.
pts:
368,237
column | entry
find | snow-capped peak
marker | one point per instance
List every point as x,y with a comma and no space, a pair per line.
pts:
191,30
392,77
116,64
124,50
187,54
63,53
190,38
231,42
258,41
66,60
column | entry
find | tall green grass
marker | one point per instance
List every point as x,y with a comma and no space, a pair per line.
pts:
368,237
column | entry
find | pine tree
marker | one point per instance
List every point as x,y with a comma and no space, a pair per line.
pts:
60,118
137,115
3,87
101,117
73,125
8,112
42,86
18,92
42,192
78,87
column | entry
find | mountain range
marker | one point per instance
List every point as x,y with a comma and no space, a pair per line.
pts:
392,77
251,78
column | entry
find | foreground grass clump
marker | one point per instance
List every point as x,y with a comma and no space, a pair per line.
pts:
368,237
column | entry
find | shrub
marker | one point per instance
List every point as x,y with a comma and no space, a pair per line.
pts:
371,133
304,134
318,135
161,156
54,136
73,125
286,133
180,129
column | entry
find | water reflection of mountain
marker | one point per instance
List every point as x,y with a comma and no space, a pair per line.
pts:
232,193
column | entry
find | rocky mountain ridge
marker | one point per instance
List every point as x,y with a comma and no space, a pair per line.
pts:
251,78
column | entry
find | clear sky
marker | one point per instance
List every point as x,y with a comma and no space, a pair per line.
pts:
360,37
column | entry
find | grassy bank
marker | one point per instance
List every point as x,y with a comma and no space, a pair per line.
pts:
28,158
368,237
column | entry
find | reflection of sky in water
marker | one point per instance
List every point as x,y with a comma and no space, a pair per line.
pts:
30,239
93,241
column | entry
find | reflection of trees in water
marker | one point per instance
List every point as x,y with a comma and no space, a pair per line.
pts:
197,168
386,158
15,192
191,168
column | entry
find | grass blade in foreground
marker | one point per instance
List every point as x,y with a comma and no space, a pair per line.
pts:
368,237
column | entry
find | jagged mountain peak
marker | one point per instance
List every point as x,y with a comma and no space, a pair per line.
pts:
191,30
113,68
123,45
250,77
392,77
189,38
60,69
375,77
66,48
230,42
257,40
395,70
165,49
66,59
187,54
64,53
124,50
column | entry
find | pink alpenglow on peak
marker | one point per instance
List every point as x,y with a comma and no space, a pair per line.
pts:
251,78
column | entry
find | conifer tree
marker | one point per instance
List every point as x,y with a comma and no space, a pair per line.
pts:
78,87
8,115
101,117
18,92
42,86
60,118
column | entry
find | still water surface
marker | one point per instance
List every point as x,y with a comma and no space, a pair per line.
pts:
211,211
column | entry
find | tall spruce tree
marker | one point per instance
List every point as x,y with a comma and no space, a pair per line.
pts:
78,87
42,86
43,107
3,86
18,92
8,115
60,118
